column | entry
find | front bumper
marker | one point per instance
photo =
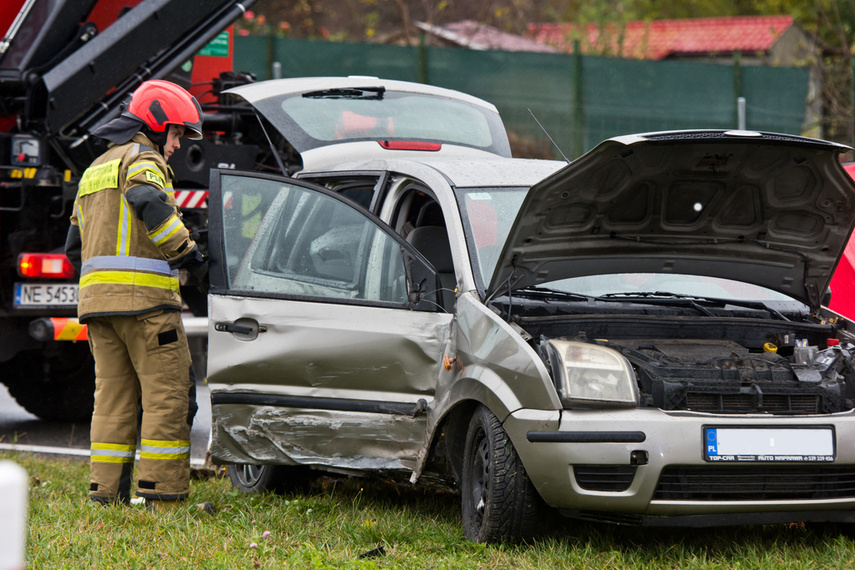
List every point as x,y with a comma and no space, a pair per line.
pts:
651,463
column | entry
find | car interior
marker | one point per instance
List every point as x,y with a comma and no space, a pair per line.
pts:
419,219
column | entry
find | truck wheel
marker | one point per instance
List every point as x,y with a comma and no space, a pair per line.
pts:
59,387
499,501
277,478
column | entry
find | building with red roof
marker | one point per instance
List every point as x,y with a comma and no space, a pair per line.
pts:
774,40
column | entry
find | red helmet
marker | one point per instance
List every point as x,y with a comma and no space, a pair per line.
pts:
160,103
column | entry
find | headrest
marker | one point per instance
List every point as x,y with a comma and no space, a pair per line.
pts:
432,242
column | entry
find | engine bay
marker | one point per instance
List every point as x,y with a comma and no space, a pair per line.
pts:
726,359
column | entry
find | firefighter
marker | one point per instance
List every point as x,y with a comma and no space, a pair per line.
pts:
128,241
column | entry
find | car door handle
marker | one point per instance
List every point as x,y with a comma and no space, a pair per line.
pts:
239,329
232,328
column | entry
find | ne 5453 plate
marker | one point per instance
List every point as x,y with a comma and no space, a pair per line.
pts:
769,444
35,295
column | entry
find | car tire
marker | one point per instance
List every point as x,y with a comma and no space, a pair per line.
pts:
251,478
499,503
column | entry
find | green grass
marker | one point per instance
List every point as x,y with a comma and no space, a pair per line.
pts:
336,520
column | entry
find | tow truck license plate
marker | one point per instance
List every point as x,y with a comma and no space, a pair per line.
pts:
34,295
769,444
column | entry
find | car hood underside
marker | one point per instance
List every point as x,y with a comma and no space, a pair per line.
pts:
772,210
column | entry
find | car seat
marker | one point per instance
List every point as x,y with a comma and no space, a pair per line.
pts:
432,242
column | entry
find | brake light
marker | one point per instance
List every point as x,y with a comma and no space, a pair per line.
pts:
410,145
51,265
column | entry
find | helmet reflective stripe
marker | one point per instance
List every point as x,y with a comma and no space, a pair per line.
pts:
112,453
173,225
159,449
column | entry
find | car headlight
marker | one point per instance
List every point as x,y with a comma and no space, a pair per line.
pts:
591,374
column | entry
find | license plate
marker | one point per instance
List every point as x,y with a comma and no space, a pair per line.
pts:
769,444
33,295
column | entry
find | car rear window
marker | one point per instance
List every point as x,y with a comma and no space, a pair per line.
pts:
314,121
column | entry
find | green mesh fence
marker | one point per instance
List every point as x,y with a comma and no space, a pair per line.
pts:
580,101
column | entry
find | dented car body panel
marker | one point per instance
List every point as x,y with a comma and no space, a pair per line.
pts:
670,365
377,376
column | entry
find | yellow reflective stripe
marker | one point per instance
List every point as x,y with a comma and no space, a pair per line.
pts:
153,174
123,240
148,455
158,449
107,459
164,443
129,278
138,167
99,177
173,225
111,453
113,446
79,213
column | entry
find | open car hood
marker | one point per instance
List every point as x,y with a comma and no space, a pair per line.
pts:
768,209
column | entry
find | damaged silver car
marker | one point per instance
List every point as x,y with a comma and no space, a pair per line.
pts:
636,337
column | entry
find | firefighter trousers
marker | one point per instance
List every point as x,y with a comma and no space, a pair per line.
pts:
141,362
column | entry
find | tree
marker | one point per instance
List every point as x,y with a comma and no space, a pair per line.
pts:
829,23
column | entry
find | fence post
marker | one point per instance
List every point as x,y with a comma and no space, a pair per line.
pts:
271,53
578,109
737,81
423,65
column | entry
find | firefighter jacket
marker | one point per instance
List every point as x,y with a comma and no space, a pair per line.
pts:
126,236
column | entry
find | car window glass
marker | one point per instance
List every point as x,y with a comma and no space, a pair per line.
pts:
290,240
395,116
361,196
490,213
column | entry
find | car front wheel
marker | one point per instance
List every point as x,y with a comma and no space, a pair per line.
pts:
499,501
252,478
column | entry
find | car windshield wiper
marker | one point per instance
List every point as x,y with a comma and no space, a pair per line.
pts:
347,93
659,298
663,297
546,293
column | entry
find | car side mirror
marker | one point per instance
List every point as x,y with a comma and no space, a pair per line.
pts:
423,283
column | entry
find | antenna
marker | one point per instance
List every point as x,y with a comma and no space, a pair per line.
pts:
567,160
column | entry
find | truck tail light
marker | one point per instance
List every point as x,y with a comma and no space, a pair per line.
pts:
50,265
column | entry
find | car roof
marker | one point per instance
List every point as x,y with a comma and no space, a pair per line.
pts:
462,171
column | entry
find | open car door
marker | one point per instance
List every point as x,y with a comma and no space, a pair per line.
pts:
325,337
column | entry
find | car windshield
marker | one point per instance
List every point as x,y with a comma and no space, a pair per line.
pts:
661,285
335,116
489,214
